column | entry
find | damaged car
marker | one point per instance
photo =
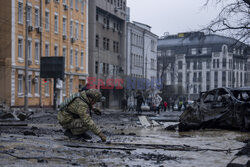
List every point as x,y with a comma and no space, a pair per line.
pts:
227,108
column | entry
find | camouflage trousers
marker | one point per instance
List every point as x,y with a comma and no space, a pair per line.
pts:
76,126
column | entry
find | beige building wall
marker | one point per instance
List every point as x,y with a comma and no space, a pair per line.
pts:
5,51
15,29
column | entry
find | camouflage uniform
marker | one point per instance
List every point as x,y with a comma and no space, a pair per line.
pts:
76,115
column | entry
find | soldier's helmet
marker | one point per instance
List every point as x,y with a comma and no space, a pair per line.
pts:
94,94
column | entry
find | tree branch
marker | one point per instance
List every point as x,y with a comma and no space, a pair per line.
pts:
232,19
247,2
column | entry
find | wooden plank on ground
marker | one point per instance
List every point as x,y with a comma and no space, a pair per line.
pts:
13,124
155,123
144,121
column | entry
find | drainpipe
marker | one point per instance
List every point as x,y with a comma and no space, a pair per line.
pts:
143,52
130,52
41,50
26,58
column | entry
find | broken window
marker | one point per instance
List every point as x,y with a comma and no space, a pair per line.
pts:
242,95
209,97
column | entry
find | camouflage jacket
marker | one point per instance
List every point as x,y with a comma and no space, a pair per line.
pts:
80,108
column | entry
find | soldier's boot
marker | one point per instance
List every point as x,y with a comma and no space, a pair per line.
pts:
85,136
69,134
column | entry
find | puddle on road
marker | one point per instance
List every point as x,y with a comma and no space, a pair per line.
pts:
205,139
208,137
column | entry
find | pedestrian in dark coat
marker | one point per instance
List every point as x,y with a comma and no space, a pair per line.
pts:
124,105
140,100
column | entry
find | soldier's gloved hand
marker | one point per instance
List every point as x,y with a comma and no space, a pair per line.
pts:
103,138
97,111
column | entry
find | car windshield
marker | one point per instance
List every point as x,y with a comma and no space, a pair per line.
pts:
242,95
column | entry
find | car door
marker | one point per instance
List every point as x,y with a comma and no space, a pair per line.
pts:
206,104
222,108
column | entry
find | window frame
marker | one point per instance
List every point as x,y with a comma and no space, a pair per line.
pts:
37,17
82,32
47,20
47,51
20,85
20,12
37,51
64,22
82,60
20,49
56,23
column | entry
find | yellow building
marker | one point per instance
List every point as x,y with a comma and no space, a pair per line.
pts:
56,28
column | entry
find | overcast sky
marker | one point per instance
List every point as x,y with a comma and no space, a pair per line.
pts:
172,16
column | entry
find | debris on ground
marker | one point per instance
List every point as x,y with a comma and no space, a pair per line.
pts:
29,133
172,127
144,121
156,157
245,150
42,161
13,124
4,115
154,123
42,143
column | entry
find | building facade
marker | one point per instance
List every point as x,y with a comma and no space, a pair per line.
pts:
55,28
197,62
141,60
141,51
107,37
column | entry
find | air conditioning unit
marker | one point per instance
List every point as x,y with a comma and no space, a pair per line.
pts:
29,62
38,29
65,7
34,80
72,40
57,1
47,1
77,68
64,37
30,28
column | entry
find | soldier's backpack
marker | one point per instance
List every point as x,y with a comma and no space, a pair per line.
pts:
70,99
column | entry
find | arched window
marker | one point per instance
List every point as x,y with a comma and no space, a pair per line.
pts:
224,49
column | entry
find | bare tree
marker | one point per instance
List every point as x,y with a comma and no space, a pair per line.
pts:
166,64
234,19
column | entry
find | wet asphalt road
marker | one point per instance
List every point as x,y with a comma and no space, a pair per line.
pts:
42,143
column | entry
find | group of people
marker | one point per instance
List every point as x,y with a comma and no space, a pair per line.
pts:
156,104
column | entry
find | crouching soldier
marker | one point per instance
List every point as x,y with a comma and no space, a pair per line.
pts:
75,114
